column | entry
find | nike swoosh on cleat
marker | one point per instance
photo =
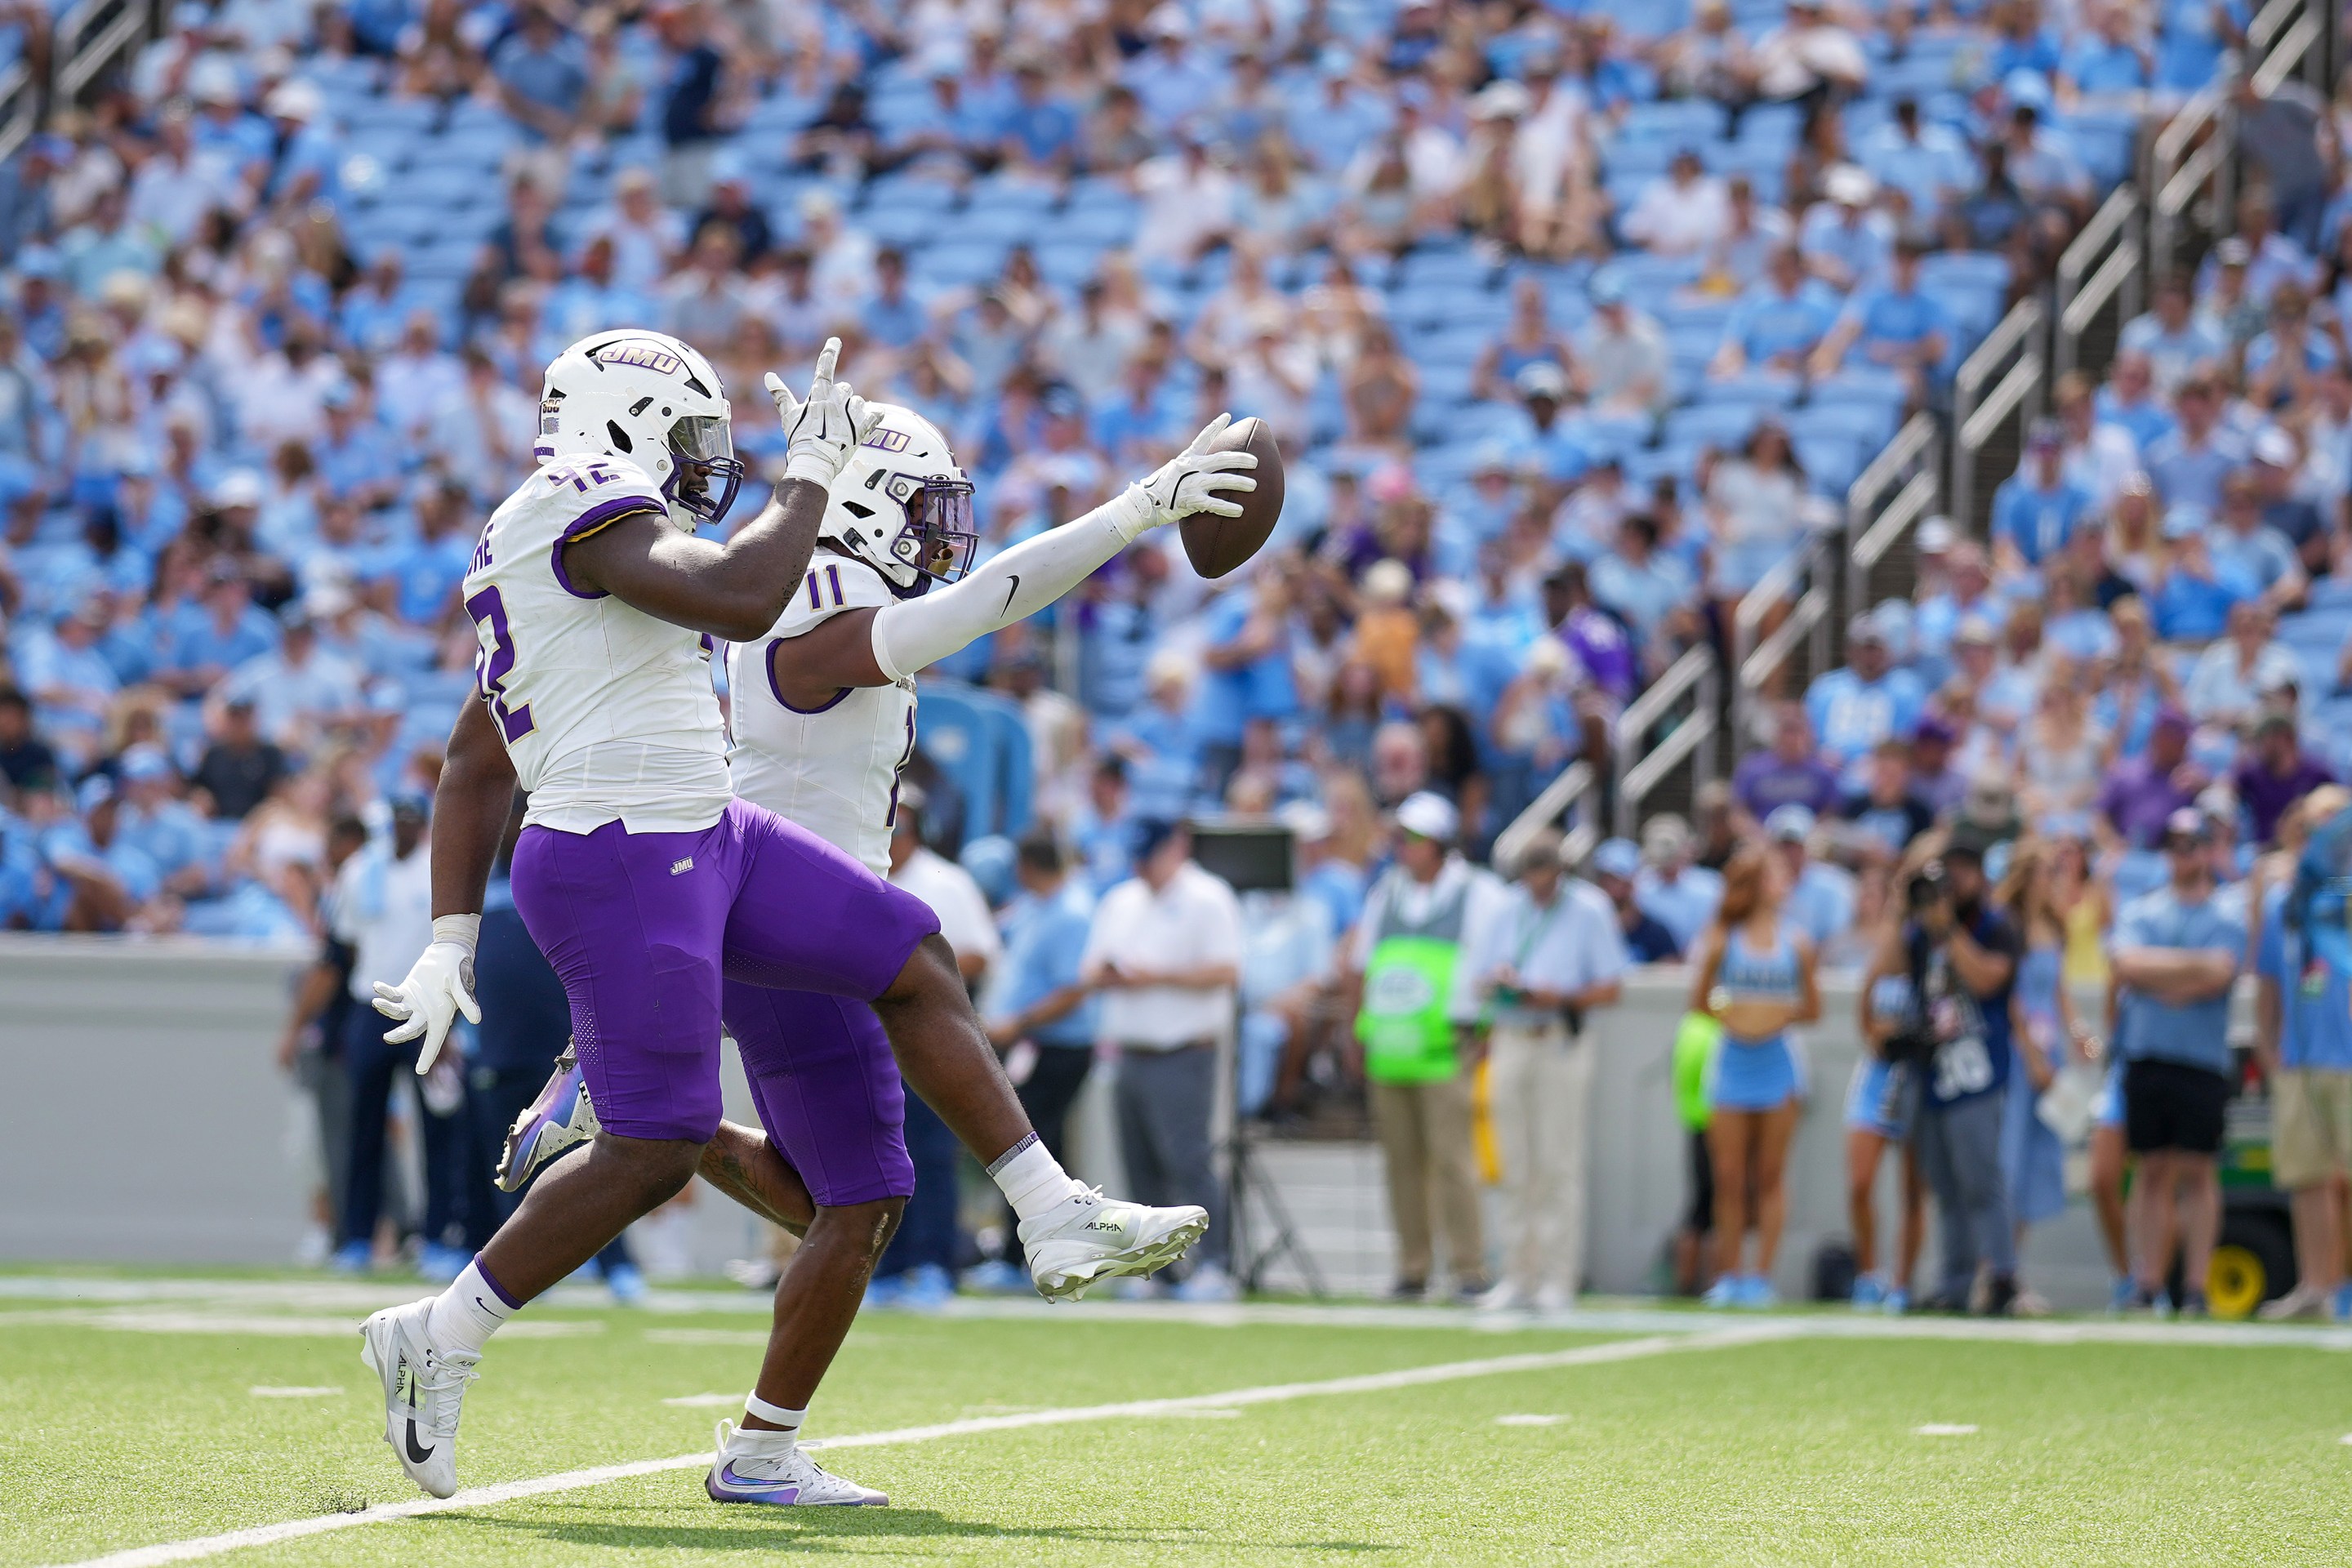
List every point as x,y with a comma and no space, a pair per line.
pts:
728,1477
416,1455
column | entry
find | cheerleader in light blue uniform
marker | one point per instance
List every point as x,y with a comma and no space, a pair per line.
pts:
1754,975
1879,1101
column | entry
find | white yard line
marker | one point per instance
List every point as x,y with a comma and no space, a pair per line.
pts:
1228,1401
268,1325
316,1298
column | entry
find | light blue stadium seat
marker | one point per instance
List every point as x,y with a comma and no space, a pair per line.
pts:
1753,389
1831,462
1101,226
1691,119
995,194
958,260
1869,423
1007,225
1980,269
1645,469
1452,268
1723,426
1860,383
1449,345
1066,264
2331,592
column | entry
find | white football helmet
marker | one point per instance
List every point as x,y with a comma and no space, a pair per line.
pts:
646,396
902,505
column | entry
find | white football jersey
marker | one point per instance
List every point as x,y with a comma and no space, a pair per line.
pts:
834,769
606,711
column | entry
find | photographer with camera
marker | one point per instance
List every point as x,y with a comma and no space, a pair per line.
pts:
1959,953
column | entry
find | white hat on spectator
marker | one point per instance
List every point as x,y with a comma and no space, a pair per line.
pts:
1617,858
1168,21
2186,520
1790,823
1850,186
1501,99
1541,379
1308,823
1388,582
1664,837
236,488
213,79
1936,536
1168,665
2275,447
297,100
1427,814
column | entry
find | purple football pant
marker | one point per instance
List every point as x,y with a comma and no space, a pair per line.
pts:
655,935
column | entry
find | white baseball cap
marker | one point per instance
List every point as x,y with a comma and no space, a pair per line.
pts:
1427,814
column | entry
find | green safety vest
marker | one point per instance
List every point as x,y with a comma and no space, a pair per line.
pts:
1404,1025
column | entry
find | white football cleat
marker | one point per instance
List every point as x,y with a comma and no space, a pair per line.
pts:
788,1479
1087,1236
422,1388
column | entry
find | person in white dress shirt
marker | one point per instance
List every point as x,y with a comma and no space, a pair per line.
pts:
1165,956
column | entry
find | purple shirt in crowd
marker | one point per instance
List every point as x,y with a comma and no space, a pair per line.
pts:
2266,795
1600,645
1765,781
2138,798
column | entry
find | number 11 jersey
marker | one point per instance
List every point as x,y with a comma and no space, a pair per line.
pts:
607,711
833,768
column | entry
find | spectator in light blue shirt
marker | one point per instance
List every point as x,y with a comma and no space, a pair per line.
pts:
1895,322
1670,889
1633,581
1926,161
2106,60
2175,955
2175,339
1865,701
1778,323
229,631
2193,601
2036,508
1821,898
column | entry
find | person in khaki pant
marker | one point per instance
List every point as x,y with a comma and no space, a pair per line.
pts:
1403,957
1526,981
2303,1035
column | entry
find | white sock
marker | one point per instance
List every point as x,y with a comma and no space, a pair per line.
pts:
467,1314
1031,1179
757,1441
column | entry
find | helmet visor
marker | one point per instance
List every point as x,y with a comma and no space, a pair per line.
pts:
706,455
938,514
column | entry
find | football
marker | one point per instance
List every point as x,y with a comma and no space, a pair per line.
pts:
1214,544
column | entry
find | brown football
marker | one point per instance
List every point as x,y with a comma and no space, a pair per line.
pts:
1214,544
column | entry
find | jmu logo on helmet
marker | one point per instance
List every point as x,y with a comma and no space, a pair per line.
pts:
645,356
886,441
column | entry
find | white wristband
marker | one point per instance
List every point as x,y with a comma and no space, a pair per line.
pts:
463,930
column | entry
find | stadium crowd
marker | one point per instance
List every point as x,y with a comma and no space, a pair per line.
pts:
1573,325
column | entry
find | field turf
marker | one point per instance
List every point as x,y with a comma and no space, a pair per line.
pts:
131,1418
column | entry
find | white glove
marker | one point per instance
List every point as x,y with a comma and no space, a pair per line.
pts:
824,430
1187,483
439,987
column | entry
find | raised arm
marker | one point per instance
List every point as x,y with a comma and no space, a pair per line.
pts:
876,645
735,590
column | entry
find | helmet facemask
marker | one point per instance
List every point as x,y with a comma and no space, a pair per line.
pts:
939,540
704,454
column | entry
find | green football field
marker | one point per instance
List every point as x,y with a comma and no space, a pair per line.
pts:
155,1412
